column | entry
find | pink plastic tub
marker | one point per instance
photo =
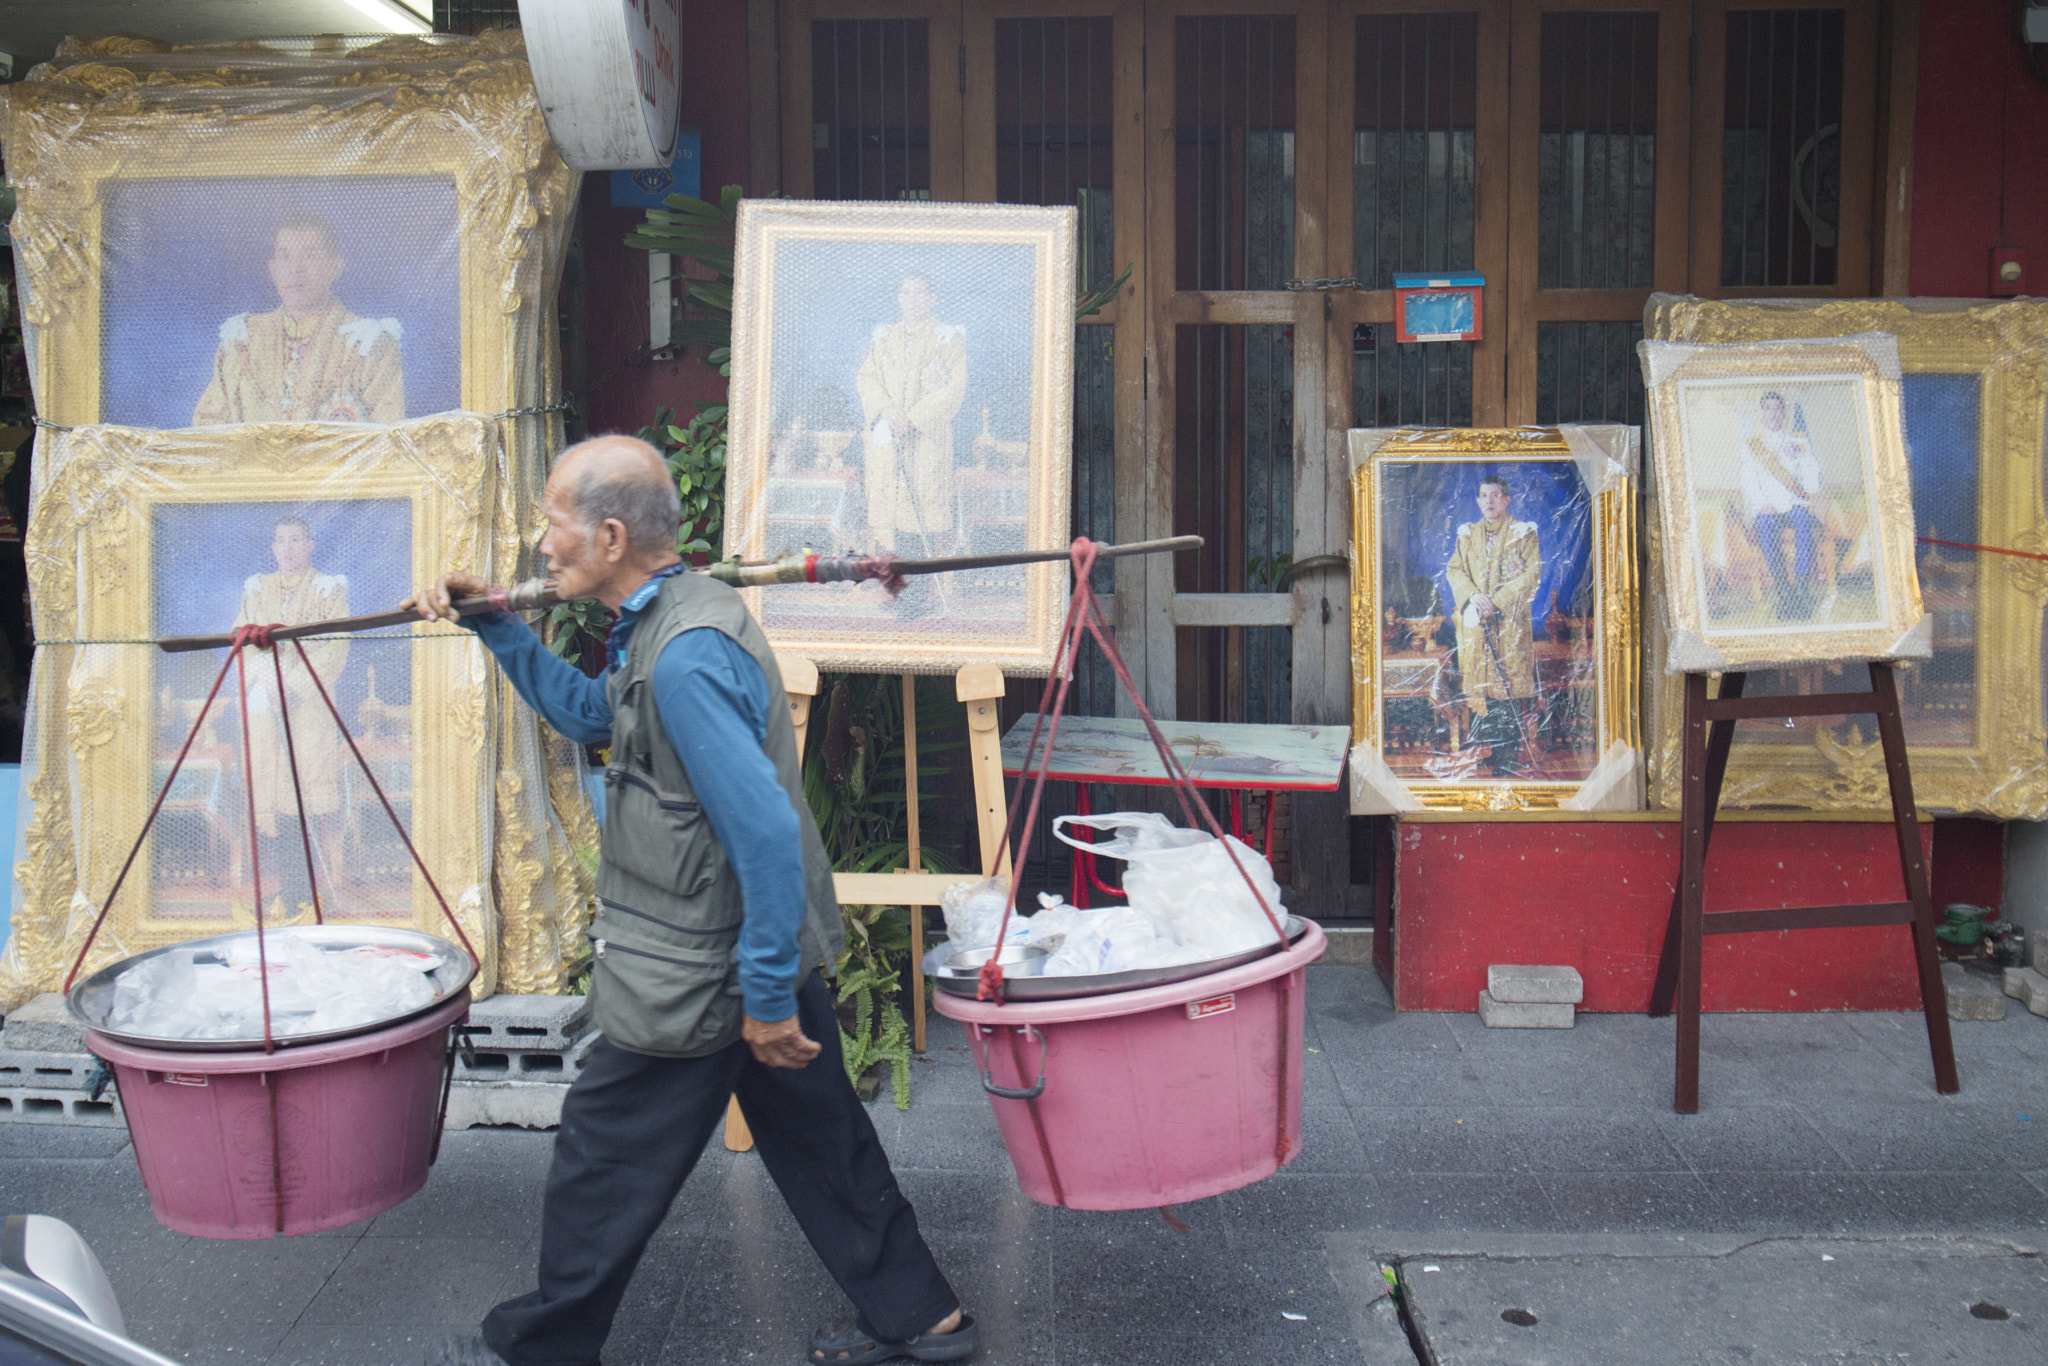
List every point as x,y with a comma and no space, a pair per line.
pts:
356,1123
1148,1097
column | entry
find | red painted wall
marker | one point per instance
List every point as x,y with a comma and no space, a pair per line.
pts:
1980,151
1597,895
624,395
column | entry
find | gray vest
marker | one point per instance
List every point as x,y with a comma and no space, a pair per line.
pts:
664,972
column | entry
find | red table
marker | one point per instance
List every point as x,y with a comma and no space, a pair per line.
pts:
1239,758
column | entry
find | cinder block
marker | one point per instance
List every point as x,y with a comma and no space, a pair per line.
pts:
43,1025
47,1071
544,1024
1523,1014
525,1104
1527,984
2028,986
49,1105
1971,996
1349,945
559,1067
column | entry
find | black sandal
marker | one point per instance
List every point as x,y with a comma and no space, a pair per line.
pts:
852,1347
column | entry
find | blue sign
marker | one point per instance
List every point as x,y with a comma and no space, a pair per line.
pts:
683,175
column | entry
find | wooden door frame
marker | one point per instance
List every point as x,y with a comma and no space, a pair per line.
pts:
1529,306
944,45
1859,141
1491,223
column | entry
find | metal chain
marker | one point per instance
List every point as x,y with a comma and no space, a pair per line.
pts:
1346,282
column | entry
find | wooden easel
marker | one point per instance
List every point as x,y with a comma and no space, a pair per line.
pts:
980,686
1705,765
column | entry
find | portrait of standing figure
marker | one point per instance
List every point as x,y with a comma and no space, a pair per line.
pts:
1493,574
911,386
310,358
293,594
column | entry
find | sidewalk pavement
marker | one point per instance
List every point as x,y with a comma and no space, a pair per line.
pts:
1826,1201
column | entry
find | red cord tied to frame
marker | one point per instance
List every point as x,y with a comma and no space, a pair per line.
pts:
1084,616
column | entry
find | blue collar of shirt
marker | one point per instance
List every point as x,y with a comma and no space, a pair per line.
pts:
621,634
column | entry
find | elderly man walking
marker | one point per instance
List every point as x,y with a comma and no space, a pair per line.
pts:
715,914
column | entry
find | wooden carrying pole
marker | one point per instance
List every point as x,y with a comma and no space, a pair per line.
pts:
1705,765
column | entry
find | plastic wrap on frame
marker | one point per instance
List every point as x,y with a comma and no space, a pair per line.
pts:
1747,476
1375,791
1616,785
136,533
428,161
1975,398
903,382
1569,694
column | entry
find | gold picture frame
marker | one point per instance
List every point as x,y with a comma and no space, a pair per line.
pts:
128,509
903,383
120,113
1784,504
1579,717
1974,396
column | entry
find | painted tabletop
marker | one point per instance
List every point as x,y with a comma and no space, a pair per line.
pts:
1106,749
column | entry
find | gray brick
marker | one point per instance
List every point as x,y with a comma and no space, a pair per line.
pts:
46,1071
543,1024
1523,1014
1971,996
1348,944
526,1104
523,1064
2029,987
44,1024
1530,984
52,1105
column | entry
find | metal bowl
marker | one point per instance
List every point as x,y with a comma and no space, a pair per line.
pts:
1041,988
92,1000
1018,960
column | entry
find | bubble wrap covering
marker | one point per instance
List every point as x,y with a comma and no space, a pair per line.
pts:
1974,389
301,279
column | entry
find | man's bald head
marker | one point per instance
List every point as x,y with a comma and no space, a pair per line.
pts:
621,478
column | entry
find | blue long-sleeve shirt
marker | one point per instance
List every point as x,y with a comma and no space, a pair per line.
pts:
713,700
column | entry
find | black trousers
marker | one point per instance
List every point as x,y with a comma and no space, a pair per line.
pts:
633,1127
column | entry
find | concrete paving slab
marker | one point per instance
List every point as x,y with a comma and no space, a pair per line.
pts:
1972,995
1536,984
1498,1014
1781,1300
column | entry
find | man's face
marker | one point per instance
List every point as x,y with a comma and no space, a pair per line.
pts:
1774,414
915,298
291,547
1493,502
303,270
569,548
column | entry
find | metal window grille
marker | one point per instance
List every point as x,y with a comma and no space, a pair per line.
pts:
1781,157
1414,127
1587,372
1597,152
474,16
871,109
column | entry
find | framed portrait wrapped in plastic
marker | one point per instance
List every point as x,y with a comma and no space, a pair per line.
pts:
1494,619
141,533
903,384
1973,388
1784,503
299,230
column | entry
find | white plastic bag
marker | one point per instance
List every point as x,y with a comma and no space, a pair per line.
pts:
974,911
1185,879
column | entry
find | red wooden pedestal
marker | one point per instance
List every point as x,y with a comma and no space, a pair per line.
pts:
1594,892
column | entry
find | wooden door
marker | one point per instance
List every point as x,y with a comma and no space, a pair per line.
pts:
871,99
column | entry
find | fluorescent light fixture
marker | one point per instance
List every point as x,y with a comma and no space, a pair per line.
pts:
392,16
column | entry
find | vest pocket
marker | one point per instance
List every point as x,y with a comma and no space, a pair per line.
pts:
661,838
667,1001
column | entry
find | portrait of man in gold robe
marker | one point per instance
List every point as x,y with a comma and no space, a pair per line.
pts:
310,358
911,386
292,595
1493,572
